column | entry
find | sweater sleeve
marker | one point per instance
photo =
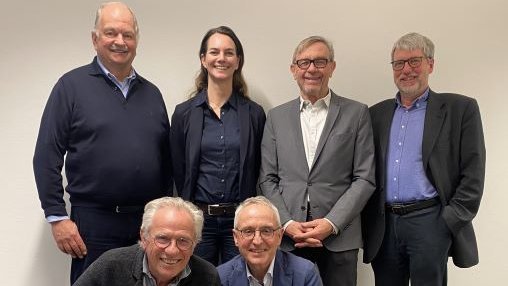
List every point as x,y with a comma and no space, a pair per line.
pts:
50,150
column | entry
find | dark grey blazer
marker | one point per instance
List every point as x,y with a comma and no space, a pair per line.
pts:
341,178
454,161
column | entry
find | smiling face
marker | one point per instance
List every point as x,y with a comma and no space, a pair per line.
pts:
115,38
313,82
220,59
167,263
258,251
412,82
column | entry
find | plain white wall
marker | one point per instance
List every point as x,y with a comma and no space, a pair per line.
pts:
40,40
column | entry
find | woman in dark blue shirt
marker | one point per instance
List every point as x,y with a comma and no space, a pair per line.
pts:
215,142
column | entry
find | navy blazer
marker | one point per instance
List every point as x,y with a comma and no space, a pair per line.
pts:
185,137
288,269
453,154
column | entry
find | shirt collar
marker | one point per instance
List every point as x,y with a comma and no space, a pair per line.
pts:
151,280
130,77
202,100
269,273
325,101
418,102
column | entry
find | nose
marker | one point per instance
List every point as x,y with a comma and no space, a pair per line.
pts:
257,237
119,40
171,248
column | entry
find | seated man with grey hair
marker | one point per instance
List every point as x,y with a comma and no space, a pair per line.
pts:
170,230
258,233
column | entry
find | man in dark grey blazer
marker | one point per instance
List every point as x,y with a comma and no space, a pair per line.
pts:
430,172
317,166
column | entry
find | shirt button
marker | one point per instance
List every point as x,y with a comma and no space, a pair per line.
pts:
403,126
222,180
400,143
221,137
396,161
395,179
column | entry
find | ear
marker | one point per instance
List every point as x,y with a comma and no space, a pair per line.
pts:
142,239
293,69
202,57
94,40
236,237
332,67
431,65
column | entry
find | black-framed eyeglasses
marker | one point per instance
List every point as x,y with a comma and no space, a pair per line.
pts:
162,242
264,232
412,62
305,63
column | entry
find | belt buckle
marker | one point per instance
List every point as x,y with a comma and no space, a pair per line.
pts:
210,207
398,209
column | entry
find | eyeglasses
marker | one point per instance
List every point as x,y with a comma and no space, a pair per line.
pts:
163,242
413,62
305,63
264,232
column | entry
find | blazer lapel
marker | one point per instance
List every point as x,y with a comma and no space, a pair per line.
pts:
434,118
244,122
194,143
282,275
384,134
331,118
238,276
295,124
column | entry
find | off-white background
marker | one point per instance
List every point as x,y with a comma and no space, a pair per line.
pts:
40,40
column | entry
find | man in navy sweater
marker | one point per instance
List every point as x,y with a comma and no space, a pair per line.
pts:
112,128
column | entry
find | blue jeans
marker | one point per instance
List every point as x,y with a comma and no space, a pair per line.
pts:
217,244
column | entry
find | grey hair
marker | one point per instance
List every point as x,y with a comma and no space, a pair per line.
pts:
259,200
415,41
176,203
305,43
98,16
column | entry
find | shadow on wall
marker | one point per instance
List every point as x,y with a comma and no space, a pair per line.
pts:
49,266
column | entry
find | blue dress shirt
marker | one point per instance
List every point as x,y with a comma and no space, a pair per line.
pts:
406,180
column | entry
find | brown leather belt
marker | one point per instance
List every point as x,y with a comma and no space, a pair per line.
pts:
405,208
218,209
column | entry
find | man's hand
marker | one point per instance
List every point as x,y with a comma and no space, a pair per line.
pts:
317,229
297,230
67,238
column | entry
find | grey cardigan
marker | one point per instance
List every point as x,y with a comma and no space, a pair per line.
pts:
124,267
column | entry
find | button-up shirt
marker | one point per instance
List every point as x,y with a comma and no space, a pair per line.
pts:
149,280
406,180
122,85
312,120
219,168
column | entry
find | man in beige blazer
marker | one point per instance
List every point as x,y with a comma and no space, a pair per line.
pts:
317,166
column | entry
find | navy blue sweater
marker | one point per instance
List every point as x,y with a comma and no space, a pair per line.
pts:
116,149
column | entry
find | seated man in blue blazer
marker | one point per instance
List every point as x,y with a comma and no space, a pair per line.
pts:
257,233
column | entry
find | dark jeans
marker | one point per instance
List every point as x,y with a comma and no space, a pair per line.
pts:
335,268
415,247
102,230
217,244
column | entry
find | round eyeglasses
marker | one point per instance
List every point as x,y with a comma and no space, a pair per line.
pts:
264,232
305,63
412,62
163,242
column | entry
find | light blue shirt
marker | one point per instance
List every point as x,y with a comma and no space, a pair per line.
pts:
122,85
148,279
406,180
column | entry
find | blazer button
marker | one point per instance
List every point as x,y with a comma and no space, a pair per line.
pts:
303,208
309,184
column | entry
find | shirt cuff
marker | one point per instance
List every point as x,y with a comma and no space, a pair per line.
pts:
55,218
335,229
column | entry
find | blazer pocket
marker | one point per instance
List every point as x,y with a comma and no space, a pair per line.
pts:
341,136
